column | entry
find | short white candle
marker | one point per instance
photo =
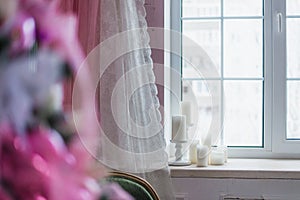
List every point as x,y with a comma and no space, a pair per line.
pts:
202,155
217,157
225,149
179,128
186,109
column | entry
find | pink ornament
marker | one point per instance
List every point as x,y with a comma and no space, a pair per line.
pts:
23,33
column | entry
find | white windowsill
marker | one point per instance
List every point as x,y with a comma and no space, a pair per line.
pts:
244,169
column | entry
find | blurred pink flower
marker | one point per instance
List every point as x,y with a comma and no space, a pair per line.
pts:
55,29
41,166
4,195
23,33
18,172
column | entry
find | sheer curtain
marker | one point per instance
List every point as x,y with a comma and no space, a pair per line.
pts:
131,135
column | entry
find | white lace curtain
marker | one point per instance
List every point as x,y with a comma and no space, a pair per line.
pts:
132,137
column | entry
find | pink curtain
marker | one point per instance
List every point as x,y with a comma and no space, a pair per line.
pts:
88,13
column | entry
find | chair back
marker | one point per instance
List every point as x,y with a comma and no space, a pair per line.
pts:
137,187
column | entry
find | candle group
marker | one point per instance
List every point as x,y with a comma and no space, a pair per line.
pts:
202,155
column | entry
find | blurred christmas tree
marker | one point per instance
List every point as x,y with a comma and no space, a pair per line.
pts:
41,157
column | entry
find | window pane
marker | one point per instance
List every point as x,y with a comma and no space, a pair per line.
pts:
200,8
243,8
293,48
293,109
206,52
201,99
243,48
243,113
292,7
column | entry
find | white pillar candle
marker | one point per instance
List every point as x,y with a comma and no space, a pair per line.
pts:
186,109
217,157
193,151
202,155
179,128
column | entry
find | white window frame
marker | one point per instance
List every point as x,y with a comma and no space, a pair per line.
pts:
275,143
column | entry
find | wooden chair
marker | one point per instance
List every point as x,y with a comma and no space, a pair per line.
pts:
137,187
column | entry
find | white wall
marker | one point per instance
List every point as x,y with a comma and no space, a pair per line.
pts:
212,189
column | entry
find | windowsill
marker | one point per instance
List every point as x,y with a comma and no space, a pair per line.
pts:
244,169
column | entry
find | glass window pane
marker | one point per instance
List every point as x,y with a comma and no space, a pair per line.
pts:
243,8
200,46
243,48
198,93
293,48
201,8
293,109
292,7
243,113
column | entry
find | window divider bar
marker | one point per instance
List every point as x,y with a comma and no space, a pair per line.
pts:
222,17
222,138
225,79
268,75
293,16
279,142
293,79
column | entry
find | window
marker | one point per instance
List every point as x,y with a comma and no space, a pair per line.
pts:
255,47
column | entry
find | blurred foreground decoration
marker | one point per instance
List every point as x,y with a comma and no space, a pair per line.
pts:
41,156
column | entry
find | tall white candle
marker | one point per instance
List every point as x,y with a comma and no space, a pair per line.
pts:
179,128
186,109
193,151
